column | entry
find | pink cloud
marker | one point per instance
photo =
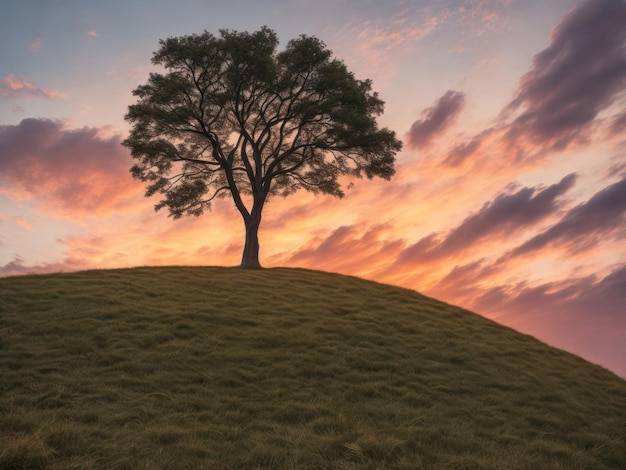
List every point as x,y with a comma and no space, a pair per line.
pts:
20,86
395,34
23,222
356,249
16,267
483,16
91,33
78,172
36,45
377,39
17,109
582,314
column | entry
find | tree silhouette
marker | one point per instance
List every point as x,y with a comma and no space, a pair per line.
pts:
232,116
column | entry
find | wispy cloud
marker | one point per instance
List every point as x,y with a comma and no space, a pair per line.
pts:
357,249
464,150
618,125
381,37
396,33
482,16
36,45
584,226
91,33
505,215
19,86
23,222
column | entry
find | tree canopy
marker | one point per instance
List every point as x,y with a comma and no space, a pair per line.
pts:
231,116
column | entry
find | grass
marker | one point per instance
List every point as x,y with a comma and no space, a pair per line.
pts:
158,368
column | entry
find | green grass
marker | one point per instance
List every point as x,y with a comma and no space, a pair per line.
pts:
157,368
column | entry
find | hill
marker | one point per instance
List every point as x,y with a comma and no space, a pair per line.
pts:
154,368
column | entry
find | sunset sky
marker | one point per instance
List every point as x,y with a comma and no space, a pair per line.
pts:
510,192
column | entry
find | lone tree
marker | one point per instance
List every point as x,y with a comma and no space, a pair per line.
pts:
234,117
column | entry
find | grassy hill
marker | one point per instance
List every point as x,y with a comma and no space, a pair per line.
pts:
156,368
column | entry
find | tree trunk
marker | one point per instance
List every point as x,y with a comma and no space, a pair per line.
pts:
250,258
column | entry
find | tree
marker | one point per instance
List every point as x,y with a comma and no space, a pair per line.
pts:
232,116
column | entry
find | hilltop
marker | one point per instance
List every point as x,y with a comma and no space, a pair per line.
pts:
152,368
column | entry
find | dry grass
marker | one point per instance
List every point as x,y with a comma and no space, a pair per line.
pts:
158,368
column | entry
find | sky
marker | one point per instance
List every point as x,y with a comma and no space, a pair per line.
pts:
509,197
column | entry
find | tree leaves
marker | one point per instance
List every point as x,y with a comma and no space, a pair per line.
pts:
233,112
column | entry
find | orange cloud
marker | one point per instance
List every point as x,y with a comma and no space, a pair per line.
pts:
76,173
356,249
20,86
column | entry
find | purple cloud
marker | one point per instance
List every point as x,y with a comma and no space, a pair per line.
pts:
582,227
77,171
436,119
575,78
585,314
16,267
506,213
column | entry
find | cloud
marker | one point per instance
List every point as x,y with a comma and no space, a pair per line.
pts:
78,172
601,219
395,33
585,225
36,45
19,86
618,125
16,267
91,33
436,119
17,109
576,77
463,151
572,96
482,16
506,214
23,222
618,169
353,249
381,36
582,314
